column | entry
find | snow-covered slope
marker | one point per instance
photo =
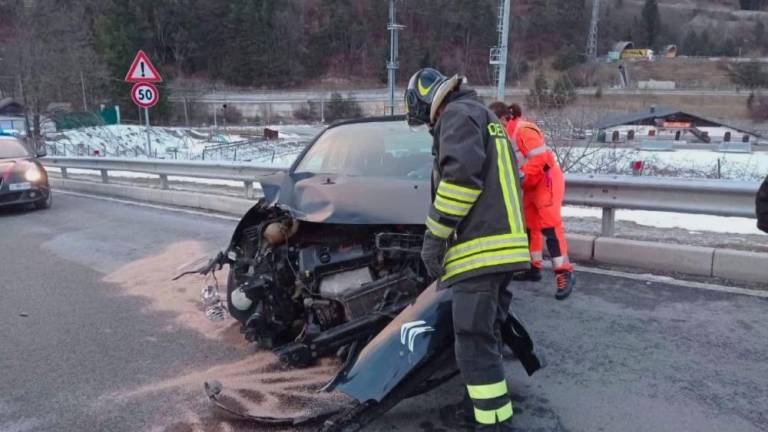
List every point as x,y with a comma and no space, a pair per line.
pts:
181,143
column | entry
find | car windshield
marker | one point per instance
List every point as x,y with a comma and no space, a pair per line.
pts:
373,149
11,148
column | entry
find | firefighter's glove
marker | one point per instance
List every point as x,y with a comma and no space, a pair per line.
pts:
432,253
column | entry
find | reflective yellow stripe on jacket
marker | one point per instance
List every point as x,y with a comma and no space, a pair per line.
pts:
494,250
452,203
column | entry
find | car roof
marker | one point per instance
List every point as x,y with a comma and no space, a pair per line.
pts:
375,119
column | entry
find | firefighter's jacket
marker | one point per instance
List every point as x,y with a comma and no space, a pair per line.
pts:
477,203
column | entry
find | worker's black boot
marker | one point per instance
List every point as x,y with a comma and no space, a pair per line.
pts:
505,426
565,280
533,274
460,415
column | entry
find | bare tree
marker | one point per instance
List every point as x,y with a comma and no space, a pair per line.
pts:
50,53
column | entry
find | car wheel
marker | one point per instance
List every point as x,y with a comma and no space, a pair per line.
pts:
45,203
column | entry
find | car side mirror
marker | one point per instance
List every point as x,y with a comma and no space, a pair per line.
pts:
42,151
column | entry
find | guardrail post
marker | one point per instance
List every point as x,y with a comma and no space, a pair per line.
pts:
104,176
248,189
64,172
163,181
609,222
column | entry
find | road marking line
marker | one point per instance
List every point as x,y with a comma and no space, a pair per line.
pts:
647,277
154,206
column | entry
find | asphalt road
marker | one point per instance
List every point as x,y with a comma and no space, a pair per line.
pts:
95,337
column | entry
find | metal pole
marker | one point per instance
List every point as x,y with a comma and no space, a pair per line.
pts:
503,48
82,84
149,143
27,126
608,222
393,63
186,113
593,28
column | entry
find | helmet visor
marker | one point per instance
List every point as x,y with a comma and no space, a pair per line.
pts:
417,111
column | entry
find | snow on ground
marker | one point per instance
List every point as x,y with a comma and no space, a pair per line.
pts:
741,166
690,222
681,163
122,140
181,143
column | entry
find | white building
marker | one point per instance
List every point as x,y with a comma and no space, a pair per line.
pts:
660,123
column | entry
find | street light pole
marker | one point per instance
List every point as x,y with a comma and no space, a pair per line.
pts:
393,64
503,42
82,84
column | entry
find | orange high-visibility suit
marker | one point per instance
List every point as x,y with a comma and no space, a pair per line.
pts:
543,191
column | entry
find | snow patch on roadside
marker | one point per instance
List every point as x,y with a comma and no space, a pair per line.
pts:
690,222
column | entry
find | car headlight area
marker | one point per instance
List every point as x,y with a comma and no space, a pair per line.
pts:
33,174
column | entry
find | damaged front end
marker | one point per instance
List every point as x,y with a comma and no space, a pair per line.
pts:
308,290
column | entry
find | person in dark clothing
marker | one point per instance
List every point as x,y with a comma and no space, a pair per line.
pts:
475,237
761,206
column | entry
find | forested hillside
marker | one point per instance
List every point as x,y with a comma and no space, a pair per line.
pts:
57,46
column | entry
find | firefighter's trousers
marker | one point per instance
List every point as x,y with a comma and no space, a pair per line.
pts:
480,306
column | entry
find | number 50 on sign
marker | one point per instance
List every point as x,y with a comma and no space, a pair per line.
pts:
145,95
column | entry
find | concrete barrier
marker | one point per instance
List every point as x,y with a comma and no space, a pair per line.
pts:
201,201
581,247
741,265
694,260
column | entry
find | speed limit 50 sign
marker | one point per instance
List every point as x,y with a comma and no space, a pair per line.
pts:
145,95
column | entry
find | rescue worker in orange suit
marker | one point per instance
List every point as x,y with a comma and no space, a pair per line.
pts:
543,187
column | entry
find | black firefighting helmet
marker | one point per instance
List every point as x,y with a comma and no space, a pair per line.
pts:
425,92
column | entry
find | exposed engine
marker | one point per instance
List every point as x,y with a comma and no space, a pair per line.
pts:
310,290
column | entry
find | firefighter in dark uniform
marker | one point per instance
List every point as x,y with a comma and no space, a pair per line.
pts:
475,237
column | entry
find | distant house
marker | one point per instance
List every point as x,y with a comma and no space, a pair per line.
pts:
12,115
624,50
663,123
9,107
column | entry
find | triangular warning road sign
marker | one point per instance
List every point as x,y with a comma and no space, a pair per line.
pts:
142,70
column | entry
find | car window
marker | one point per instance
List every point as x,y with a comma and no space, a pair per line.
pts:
12,148
374,149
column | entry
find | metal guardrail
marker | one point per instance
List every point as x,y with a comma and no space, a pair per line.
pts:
165,168
696,196
609,192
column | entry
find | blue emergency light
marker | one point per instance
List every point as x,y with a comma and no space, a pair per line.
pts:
8,132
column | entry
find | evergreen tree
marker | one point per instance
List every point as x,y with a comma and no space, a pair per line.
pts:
539,95
690,44
117,31
761,37
651,22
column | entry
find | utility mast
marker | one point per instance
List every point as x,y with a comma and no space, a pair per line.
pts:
393,64
592,38
498,56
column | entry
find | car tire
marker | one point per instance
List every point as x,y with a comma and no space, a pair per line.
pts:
45,203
